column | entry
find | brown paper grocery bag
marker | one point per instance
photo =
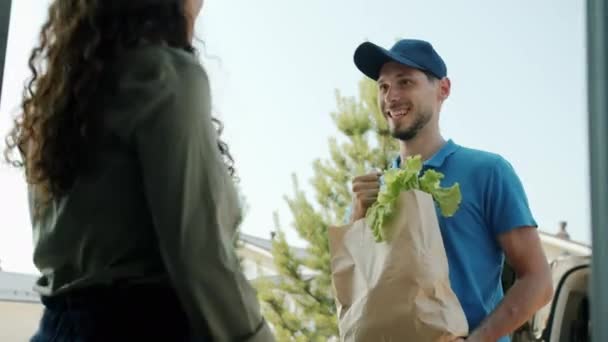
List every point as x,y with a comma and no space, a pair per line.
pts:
396,291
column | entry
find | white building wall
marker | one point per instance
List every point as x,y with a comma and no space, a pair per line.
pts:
18,321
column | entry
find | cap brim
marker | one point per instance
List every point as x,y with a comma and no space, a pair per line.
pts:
369,58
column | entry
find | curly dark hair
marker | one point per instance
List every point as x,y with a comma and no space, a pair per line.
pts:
55,130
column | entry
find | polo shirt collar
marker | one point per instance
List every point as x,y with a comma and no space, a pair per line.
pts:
437,159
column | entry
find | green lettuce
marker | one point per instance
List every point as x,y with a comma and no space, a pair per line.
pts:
404,179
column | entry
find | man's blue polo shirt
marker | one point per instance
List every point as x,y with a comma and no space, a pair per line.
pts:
493,202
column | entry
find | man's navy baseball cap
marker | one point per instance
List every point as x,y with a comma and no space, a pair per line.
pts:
415,53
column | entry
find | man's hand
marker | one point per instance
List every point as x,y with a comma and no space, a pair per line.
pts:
365,193
474,337
471,338
465,339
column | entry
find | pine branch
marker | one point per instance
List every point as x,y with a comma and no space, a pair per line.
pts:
365,143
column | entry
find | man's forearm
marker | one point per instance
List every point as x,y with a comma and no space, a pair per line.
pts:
526,296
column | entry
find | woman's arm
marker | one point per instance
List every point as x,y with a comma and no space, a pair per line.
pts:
186,186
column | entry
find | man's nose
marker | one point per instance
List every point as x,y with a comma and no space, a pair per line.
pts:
391,96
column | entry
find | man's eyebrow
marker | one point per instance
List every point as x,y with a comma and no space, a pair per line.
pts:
399,75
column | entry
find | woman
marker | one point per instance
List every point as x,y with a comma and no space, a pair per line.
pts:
132,205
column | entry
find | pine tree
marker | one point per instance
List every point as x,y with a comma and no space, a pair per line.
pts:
299,304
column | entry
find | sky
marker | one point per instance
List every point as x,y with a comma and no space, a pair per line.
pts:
518,89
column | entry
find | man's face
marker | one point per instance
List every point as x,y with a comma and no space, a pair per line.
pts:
408,99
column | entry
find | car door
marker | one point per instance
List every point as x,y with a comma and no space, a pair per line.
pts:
568,314
566,318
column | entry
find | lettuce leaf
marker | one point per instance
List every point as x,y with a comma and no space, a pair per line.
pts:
404,179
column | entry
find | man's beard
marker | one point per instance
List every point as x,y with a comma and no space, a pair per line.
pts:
409,133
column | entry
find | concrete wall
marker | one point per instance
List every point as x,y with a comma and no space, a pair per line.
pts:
555,247
553,252
18,321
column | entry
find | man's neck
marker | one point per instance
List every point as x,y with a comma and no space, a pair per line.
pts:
425,146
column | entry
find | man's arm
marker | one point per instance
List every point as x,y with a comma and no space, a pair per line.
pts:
531,291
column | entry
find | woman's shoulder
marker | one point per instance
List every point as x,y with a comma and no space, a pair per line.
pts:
151,80
154,61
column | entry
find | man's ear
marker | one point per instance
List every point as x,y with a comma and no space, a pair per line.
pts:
445,87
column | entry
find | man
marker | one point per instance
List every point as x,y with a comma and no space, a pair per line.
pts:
494,220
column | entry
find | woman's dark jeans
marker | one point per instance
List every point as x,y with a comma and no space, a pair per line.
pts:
114,314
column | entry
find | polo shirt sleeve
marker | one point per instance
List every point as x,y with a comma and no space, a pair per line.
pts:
506,201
